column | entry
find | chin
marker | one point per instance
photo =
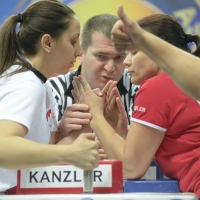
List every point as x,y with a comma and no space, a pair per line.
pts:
135,82
65,70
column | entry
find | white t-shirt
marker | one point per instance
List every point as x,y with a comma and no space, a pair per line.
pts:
24,99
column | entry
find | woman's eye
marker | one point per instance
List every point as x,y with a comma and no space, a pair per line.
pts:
73,43
134,53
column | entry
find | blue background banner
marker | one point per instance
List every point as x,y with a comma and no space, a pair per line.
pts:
186,11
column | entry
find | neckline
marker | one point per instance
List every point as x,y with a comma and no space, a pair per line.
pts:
39,75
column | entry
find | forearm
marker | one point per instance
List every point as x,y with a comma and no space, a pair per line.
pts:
108,136
73,135
181,66
121,131
19,153
54,137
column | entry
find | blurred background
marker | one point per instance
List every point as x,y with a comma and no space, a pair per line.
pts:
187,12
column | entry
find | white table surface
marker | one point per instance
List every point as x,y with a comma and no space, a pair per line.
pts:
127,196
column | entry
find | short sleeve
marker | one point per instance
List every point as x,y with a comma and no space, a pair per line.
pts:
159,103
20,102
150,106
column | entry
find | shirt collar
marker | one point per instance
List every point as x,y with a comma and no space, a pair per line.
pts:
71,77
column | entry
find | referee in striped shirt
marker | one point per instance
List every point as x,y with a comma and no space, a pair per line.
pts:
100,62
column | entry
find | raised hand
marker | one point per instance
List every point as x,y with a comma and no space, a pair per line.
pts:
126,33
114,110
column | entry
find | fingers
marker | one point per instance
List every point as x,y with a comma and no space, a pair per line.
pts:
122,15
84,83
79,121
77,86
80,84
76,90
75,96
76,114
97,144
103,156
112,102
98,92
133,30
107,86
120,106
112,94
116,92
119,31
80,87
101,151
125,32
113,85
77,107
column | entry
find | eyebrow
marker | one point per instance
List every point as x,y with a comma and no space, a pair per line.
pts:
75,35
106,53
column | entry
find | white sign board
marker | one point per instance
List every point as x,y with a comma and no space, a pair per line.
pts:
64,176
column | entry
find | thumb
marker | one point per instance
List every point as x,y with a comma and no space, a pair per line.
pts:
130,27
90,136
125,19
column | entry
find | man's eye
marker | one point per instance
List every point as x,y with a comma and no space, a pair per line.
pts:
100,56
120,57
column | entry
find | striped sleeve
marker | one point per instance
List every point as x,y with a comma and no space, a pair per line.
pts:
59,85
128,98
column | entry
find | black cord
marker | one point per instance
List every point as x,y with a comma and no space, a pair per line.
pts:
39,75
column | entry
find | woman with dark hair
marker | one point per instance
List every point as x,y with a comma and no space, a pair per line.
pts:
165,121
47,41
185,72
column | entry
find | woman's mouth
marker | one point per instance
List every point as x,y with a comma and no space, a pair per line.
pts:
131,73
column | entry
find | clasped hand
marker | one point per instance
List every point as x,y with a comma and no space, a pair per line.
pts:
106,102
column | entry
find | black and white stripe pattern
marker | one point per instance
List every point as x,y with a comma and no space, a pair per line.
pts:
62,86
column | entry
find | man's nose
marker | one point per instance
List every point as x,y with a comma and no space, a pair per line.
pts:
110,66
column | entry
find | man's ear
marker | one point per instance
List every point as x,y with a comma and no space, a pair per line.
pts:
46,42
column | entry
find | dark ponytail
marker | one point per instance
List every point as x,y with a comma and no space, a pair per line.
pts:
168,28
10,51
196,40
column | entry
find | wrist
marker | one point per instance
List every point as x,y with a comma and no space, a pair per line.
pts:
65,154
96,119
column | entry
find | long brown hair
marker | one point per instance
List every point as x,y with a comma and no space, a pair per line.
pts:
169,29
43,17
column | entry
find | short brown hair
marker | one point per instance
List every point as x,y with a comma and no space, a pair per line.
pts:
98,24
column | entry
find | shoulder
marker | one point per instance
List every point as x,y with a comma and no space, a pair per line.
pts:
24,80
61,79
23,85
158,82
56,79
160,87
